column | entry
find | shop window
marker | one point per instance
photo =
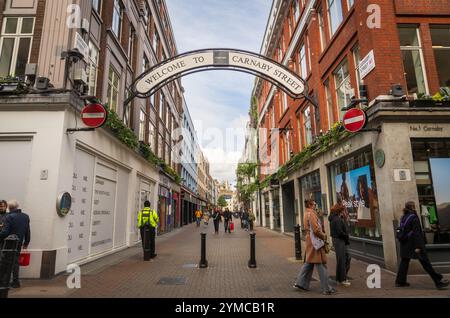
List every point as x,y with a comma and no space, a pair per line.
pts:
344,90
412,59
353,182
310,189
15,46
432,167
440,35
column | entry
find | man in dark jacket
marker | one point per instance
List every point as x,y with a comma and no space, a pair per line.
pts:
227,218
3,208
412,246
341,242
16,223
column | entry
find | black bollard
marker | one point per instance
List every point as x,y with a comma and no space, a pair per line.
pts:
203,261
7,258
252,261
298,243
146,243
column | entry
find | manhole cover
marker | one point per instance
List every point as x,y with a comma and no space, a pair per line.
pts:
190,265
172,281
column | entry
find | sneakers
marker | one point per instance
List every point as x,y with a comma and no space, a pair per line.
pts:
345,283
329,292
298,287
402,284
443,284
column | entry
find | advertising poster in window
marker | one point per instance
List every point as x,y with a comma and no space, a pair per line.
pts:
441,185
358,194
103,215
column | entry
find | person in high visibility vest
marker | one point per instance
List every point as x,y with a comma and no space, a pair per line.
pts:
148,221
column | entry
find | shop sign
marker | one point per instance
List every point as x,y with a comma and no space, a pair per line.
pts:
367,64
426,128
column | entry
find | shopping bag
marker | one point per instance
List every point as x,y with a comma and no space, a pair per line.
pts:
24,259
231,226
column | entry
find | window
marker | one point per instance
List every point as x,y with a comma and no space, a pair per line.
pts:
272,116
323,39
357,59
344,89
151,136
145,64
300,133
334,14
161,106
131,37
142,117
296,10
113,88
440,36
412,59
96,5
155,42
15,46
93,69
167,116
307,125
303,66
117,18
350,3
127,109
147,17
160,146
329,102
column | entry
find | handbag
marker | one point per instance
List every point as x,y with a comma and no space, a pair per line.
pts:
316,242
24,259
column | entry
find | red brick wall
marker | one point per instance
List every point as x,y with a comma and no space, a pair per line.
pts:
38,25
422,7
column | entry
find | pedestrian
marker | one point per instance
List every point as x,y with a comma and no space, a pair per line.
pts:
147,222
241,214
3,208
251,219
217,218
227,218
198,217
315,255
341,242
206,218
245,220
412,246
16,223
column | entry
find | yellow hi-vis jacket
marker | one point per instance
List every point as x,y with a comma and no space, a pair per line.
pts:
148,216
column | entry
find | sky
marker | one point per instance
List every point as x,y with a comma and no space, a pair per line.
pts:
219,101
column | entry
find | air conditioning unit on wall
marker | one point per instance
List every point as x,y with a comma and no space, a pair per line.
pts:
80,76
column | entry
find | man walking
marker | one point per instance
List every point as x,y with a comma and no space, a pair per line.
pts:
198,217
16,223
227,218
147,222
3,208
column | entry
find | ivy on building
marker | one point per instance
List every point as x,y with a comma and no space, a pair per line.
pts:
129,138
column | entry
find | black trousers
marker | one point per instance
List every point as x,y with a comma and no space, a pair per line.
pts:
16,267
227,226
425,262
151,240
343,259
216,226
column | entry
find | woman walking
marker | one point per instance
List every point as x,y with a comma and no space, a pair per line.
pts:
315,255
412,246
341,242
251,219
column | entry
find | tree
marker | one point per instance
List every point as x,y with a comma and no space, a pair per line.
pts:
222,202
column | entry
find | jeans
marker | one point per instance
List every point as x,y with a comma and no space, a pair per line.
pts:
198,221
343,259
425,262
305,276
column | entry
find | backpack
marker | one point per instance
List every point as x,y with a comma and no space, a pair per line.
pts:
401,234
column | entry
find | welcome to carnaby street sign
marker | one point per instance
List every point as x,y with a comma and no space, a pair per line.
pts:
212,59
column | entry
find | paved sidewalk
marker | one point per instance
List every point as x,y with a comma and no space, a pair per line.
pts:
175,273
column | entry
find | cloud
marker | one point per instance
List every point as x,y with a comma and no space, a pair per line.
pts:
218,101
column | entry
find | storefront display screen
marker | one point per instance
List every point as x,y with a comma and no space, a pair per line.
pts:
440,170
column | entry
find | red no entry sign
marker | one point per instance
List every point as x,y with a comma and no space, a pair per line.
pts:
94,115
354,120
